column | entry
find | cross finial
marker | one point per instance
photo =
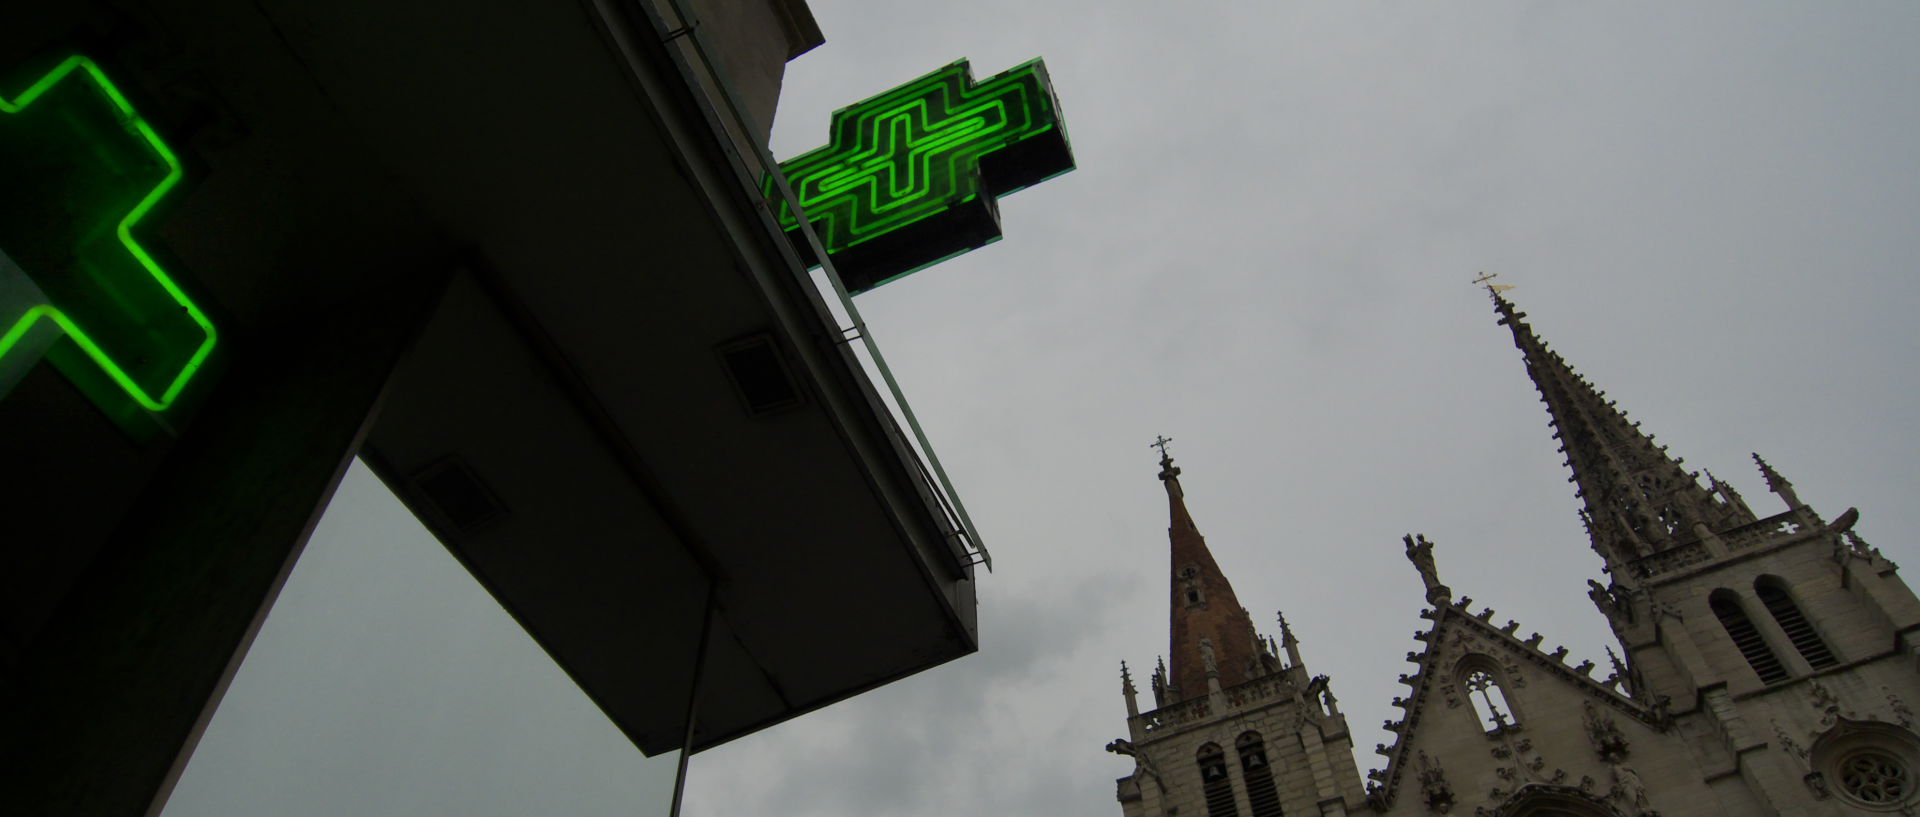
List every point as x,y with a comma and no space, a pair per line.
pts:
1161,443
1485,281
1167,469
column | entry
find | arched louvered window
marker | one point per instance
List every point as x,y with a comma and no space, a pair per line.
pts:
1745,636
1214,782
1773,593
1257,770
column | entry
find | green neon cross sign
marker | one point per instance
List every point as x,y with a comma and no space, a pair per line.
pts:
79,170
909,177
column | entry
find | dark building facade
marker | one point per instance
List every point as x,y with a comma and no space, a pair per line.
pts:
515,255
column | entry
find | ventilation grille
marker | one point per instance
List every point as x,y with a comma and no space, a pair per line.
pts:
1262,797
458,496
1799,631
1217,787
1747,638
759,376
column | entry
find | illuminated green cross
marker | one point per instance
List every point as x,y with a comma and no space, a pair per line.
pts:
909,177
79,169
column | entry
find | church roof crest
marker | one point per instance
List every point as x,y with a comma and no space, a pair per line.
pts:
1456,633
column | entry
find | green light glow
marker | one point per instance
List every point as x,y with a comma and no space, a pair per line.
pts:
67,175
909,176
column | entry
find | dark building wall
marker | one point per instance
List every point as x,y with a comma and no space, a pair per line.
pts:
752,40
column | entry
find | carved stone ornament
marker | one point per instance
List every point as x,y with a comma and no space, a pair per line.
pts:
1520,767
1661,711
1824,700
1143,764
1901,713
1434,790
1603,599
1458,639
1789,745
1662,610
1514,675
1822,697
1628,791
1420,552
1608,742
1817,784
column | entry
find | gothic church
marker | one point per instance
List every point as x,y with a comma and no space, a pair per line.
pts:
1768,667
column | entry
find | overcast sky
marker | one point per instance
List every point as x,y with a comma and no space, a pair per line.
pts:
1709,209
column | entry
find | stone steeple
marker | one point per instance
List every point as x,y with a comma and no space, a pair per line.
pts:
1213,644
1639,501
1235,731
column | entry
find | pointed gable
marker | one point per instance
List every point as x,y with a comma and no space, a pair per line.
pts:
1459,741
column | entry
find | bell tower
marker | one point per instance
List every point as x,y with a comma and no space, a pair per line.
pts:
1781,644
1239,727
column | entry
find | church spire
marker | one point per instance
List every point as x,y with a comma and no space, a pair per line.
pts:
1213,644
1639,501
1778,484
1289,643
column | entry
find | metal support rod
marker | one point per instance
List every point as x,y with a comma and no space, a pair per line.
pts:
693,700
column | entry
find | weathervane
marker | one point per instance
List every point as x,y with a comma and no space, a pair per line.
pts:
1486,280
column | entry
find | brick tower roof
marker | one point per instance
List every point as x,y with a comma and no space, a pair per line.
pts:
1206,617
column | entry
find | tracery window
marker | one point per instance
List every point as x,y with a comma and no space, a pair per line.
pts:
1726,606
1869,765
1257,770
1875,778
1779,602
1482,684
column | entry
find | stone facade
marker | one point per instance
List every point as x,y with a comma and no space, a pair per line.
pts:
1769,666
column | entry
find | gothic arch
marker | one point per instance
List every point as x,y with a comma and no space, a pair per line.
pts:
1208,748
1733,618
1546,800
1484,684
1778,598
1215,783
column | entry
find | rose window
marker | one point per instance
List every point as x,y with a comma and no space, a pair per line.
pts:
1875,777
